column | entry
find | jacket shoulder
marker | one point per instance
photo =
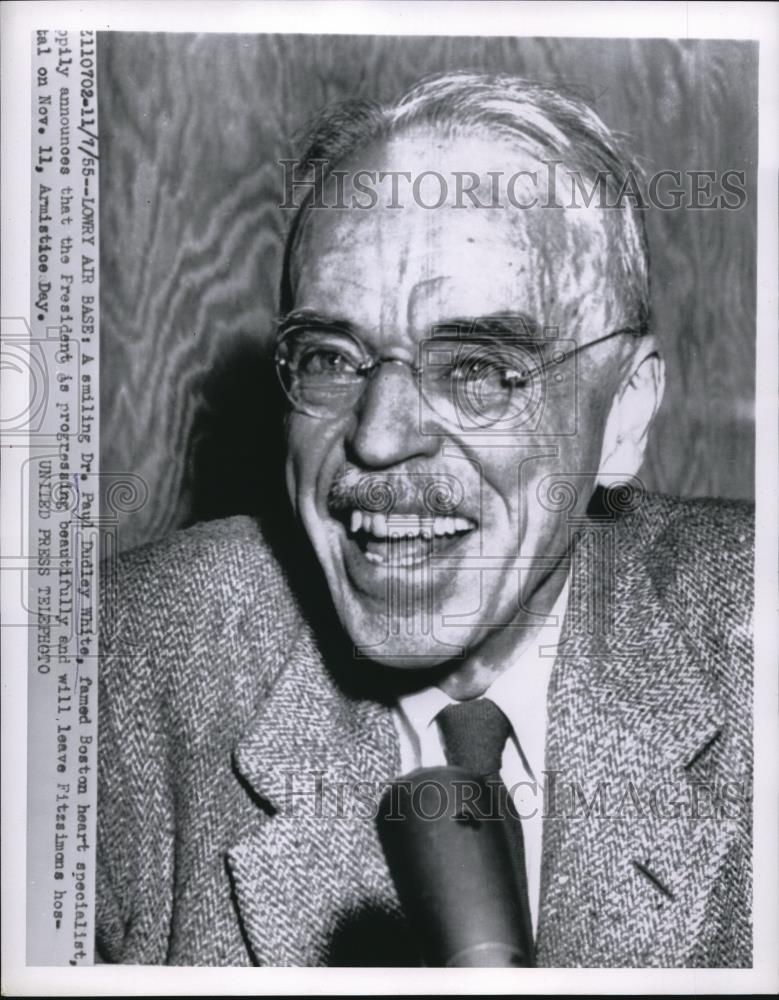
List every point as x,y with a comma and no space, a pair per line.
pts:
703,544
215,586
193,630
699,555
181,564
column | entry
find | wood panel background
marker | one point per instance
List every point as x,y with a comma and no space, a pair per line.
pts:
191,128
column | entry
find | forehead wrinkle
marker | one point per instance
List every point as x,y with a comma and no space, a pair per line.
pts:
419,290
389,318
563,269
565,265
316,269
307,262
577,281
321,281
384,266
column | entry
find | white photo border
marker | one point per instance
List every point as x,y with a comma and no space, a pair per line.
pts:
655,20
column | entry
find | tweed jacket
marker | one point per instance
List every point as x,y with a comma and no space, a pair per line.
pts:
238,770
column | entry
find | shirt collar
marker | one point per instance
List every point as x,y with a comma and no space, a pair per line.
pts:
520,692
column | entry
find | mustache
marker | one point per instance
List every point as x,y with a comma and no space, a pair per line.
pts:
433,493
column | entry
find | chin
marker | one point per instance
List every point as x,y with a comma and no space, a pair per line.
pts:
403,642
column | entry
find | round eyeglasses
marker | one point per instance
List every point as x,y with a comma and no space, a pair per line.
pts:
471,383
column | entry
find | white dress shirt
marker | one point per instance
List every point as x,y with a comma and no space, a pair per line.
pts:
520,692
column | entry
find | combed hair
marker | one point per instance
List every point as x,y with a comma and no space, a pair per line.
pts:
545,122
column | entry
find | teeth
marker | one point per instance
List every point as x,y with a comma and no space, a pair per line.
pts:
403,525
406,525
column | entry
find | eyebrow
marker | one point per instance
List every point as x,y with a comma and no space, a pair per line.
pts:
518,325
317,321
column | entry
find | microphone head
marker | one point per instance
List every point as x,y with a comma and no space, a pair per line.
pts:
450,860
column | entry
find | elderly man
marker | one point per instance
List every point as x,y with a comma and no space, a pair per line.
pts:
470,375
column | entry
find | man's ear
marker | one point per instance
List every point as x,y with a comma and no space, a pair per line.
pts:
632,412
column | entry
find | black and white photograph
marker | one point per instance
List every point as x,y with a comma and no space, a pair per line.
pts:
393,463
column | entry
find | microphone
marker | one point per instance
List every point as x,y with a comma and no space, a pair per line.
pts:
453,871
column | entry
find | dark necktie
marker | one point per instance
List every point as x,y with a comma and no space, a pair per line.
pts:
474,734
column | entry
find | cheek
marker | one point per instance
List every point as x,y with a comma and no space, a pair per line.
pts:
313,450
301,462
553,476
568,479
594,412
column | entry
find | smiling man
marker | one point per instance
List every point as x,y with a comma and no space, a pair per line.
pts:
415,352
470,379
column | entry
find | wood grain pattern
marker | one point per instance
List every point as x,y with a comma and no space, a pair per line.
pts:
191,129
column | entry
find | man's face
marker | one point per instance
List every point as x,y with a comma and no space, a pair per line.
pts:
394,275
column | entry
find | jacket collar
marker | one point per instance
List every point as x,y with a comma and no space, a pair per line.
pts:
309,725
628,702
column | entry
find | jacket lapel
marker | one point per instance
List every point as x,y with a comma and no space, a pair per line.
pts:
629,857
310,880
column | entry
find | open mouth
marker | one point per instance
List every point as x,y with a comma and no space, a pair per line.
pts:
403,539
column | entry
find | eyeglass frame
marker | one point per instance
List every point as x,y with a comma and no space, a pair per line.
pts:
368,371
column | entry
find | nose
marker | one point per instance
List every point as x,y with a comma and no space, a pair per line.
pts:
387,428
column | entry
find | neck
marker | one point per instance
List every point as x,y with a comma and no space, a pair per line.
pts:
471,678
